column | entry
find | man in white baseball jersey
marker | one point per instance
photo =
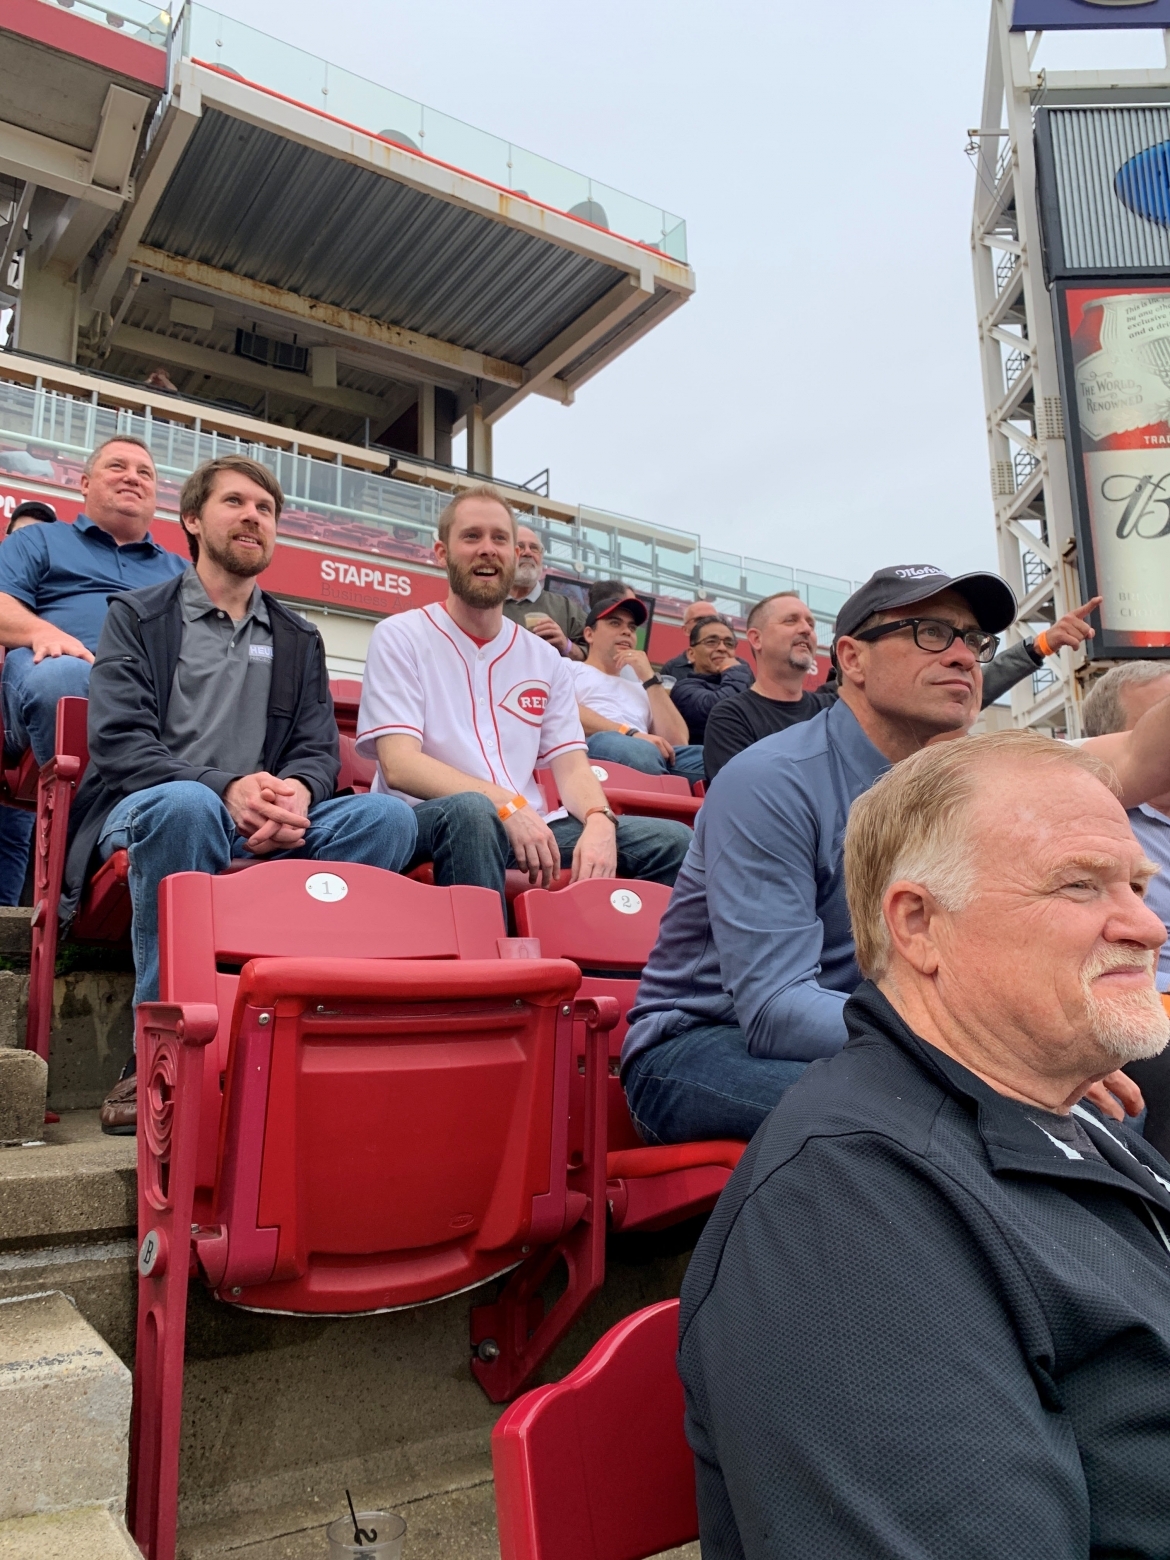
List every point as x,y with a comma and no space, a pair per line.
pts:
460,706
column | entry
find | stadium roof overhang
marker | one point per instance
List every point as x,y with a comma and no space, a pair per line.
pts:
77,99
285,218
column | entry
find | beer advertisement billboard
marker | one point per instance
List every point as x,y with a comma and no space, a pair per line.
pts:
1116,345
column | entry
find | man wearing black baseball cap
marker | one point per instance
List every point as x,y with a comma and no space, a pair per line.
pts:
30,512
755,958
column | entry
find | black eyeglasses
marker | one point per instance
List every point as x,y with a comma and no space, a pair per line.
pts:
935,636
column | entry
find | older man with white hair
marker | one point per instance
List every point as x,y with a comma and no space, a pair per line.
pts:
546,613
931,1313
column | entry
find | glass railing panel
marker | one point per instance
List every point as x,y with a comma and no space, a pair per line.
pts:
208,35
720,568
825,581
828,602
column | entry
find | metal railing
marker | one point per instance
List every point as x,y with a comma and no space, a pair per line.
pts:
46,434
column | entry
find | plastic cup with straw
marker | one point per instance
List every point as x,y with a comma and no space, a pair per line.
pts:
372,1533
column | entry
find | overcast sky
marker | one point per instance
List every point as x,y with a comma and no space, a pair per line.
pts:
817,403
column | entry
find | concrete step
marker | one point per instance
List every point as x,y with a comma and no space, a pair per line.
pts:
64,1411
68,1218
92,1532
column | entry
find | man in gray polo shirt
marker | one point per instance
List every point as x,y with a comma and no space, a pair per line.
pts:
211,729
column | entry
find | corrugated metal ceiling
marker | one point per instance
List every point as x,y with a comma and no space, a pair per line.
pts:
248,201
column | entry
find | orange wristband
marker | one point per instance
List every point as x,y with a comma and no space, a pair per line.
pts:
514,806
1041,643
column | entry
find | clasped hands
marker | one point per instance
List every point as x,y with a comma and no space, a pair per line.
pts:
271,814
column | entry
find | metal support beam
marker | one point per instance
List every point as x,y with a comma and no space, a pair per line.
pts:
12,241
170,141
629,294
52,165
157,348
328,317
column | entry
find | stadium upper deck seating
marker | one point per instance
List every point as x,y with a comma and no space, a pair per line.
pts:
597,1467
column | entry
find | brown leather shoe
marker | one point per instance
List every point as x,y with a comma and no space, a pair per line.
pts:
120,1108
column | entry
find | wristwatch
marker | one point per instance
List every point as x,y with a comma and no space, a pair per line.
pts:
653,682
606,812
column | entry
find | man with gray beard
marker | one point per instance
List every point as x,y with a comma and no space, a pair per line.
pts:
545,613
931,1313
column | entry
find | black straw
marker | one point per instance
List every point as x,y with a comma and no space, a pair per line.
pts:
360,1536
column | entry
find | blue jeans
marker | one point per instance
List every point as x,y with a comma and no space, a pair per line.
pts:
184,827
636,754
702,1085
16,831
30,699
464,838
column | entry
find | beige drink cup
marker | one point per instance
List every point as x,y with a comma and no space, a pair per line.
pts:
531,619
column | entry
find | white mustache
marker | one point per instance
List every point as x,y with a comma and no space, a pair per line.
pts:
1118,959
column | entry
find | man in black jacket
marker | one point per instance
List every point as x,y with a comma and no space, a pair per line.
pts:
211,729
931,1313
715,673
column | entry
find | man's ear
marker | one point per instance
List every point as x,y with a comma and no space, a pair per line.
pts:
848,659
691,655
441,554
911,914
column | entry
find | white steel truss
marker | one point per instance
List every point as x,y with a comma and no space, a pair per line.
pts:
1018,353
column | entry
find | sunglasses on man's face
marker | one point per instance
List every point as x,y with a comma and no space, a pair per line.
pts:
710,644
934,636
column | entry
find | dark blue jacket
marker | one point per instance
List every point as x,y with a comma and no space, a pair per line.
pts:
696,694
916,1329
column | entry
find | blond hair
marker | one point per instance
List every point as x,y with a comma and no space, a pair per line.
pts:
914,824
481,490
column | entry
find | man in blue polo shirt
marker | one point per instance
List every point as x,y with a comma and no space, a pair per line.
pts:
754,963
55,581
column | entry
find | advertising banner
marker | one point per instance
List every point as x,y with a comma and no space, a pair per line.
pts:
1068,15
1116,343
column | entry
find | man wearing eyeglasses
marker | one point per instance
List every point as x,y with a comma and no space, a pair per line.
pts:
714,672
755,959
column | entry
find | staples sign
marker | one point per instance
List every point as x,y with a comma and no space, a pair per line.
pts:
1068,15
336,571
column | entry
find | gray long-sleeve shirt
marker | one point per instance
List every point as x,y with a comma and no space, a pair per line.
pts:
757,931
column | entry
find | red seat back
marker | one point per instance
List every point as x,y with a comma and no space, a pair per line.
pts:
386,1126
611,774
608,929
347,698
597,1467
640,795
357,774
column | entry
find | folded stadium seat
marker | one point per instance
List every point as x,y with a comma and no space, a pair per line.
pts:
597,1466
353,1099
642,796
347,698
609,929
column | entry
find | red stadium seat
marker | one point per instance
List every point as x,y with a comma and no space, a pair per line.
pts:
347,698
597,1466
609,930
350,1102
642,796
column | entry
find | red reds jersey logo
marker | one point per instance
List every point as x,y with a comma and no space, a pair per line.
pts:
527,701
